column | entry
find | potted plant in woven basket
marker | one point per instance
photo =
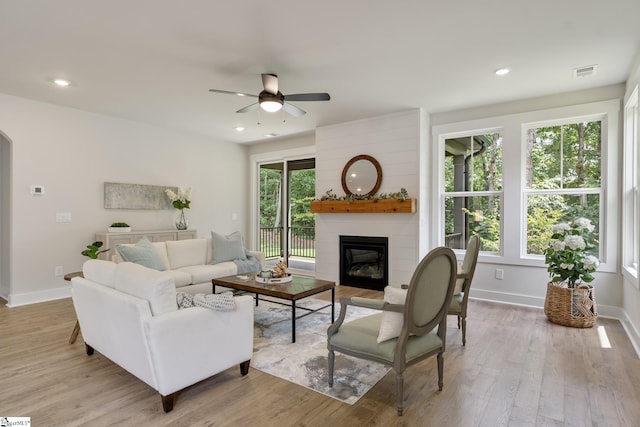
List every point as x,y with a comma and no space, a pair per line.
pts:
570,300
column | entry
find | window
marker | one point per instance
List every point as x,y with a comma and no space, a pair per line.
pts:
473,190
510,178
562,178
631,185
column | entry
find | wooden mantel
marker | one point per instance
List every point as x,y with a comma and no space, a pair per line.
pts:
364,206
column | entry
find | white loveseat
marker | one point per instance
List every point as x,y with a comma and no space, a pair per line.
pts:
189,262
129,314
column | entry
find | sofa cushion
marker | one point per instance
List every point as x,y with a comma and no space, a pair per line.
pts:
180,278
204,273
227,248
391,323
154,286
99,271
182,253
143,253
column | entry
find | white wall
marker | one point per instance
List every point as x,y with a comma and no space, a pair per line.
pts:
395,141
72,153
631,294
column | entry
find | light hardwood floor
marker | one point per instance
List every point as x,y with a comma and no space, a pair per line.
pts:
516,370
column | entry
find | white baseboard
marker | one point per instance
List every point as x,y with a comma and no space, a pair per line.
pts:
16,300
606,311
632,333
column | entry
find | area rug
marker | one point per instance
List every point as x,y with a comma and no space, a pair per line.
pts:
305,361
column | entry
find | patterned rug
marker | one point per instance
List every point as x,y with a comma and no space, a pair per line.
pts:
305,361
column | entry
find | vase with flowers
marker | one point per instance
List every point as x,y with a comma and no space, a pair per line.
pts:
571,262
180,201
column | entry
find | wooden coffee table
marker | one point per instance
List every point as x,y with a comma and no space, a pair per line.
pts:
300,287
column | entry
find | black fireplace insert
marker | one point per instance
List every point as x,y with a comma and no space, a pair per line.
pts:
364,262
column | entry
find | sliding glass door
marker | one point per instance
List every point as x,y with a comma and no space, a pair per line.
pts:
287,226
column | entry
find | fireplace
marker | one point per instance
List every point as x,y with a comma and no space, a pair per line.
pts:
364,262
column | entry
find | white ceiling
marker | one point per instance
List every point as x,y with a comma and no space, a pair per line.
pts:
154,60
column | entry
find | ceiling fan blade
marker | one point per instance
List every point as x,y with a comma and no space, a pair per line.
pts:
293,110
270,83
232,93
307,97
247,108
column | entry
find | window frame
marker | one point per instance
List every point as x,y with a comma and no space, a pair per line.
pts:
563,191
631,189
438,234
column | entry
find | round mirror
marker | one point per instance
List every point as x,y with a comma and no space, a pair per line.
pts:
362,175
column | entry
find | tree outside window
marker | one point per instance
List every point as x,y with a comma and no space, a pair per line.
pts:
473,190
562,178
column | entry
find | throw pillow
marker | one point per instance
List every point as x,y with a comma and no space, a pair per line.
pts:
391,323
143,253
227,248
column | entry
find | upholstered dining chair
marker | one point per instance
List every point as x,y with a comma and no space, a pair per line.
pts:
458,305
420,322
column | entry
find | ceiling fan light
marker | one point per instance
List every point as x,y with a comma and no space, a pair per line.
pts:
271,105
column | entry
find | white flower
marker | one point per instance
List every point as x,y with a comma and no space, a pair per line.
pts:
574,242
561,228
590,262
171,195
558,245
583,223
566,266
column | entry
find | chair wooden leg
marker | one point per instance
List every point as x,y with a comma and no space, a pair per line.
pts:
331,358
458,321
244,367
400,392
74,333
464,331
168,401
440,370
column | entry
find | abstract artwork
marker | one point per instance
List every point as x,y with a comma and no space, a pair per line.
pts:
136,196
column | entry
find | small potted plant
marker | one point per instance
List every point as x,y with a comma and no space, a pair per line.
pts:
93,250
570,299
119,227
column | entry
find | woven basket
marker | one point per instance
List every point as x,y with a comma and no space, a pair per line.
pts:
571,307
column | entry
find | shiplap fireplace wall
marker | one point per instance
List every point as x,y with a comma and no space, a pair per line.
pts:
395,142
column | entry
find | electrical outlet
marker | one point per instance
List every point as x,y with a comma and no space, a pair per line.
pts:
59,271
499,274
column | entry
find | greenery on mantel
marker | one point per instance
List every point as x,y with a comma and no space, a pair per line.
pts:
400,195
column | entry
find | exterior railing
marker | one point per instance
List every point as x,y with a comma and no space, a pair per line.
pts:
302,242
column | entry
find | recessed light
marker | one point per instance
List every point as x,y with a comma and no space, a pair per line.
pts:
502,71
61,82
270,135
239,128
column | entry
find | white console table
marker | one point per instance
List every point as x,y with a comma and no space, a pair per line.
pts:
110,240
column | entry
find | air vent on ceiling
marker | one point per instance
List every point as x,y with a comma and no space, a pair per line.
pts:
586,71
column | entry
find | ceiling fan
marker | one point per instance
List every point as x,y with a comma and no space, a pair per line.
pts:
272,100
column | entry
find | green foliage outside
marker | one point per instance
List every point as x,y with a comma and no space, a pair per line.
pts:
302,221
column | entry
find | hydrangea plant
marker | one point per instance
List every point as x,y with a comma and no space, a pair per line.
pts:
569,253
181,200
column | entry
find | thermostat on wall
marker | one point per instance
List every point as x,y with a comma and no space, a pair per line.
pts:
37,190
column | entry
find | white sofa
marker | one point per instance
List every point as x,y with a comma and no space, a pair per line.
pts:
129,314
189,263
